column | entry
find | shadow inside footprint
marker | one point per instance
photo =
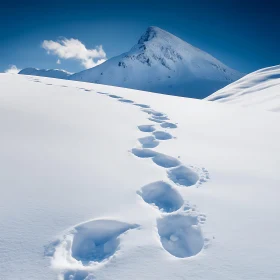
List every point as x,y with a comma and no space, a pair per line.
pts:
125,100
97,240
114,96
183,176
143,153
141,105
148,142
168,125
162,195
156,120
146,128
161,135
165,161
180,235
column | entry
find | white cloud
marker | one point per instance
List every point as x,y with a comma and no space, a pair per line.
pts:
74,49
58,61
12,69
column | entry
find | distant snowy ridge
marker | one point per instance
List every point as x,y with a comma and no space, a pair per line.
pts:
51,73
161,62
260,89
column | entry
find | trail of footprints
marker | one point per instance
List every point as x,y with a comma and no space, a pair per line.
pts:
95,242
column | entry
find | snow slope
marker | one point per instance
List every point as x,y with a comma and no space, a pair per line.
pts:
161,62
260,89
52,73
100,182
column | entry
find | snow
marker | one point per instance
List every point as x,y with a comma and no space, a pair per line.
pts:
163,63
81,198
260,89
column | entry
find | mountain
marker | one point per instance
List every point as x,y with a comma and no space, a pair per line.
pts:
100,182
52,73
161,62
260,89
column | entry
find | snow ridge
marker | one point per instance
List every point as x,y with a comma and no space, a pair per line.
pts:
89,245
259,89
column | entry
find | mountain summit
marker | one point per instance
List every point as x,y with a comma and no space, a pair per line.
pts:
161,62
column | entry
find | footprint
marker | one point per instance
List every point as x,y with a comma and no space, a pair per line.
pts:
93,241
125,100
156,120
114,96
143,153
142,105
183,175
153,112
97,240
161,118
162,195
148,142
168,125
86,246
180,235
146,128
161,135
102,92
165,161
158,158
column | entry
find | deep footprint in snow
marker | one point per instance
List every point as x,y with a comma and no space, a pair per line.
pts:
144,153
114,96
102,92
142,105
156,120
97,240
165,161
148,142
125,100
180,235
158,158
146,128
162,118
183,175
93,241
162,195
161,135
153,112
168,125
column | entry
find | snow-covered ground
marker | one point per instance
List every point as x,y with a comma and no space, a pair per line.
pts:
260,89
81,198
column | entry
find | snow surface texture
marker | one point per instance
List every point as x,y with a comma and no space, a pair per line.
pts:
77,178
52,73
260,89
163,63
96,242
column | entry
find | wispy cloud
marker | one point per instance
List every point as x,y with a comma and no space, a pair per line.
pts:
74,49
12,69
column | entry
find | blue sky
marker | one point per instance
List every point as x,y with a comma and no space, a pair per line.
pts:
242,34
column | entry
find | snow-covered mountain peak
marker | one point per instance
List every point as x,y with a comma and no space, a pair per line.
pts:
151,33
52,73
161,62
